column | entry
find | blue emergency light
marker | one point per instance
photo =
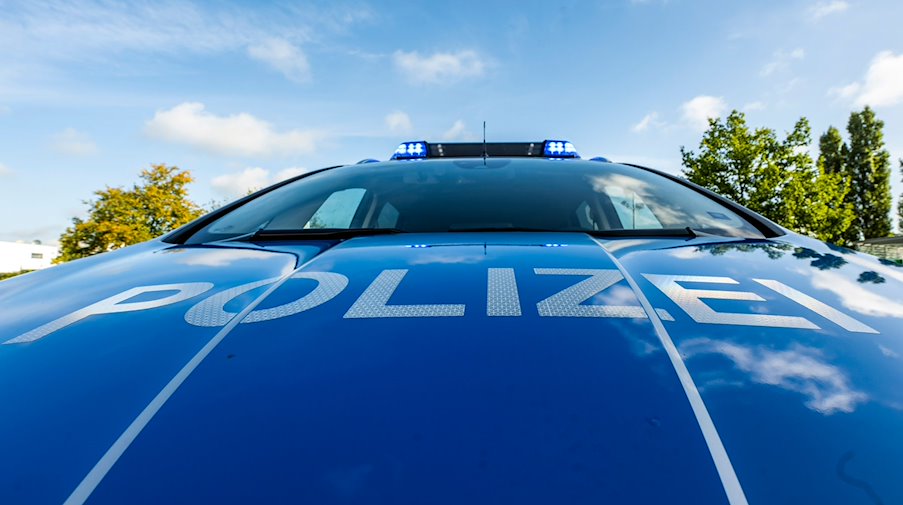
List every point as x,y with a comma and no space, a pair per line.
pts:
559,149
410,151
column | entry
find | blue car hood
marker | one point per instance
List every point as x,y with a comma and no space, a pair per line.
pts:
454,368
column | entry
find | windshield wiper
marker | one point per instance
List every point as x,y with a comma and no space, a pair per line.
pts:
263,235
317,234
686,232
482,229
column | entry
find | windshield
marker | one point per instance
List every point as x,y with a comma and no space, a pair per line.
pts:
461,195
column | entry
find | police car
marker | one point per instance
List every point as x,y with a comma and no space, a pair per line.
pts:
464,323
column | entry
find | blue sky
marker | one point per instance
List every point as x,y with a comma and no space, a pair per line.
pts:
245,93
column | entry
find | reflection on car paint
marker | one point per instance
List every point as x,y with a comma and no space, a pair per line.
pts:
801,369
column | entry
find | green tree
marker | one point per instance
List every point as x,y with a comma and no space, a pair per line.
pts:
10,275
773,177
869,171
832,152
900,202
737,163
121,217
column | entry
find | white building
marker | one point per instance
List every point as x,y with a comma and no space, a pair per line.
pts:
17,256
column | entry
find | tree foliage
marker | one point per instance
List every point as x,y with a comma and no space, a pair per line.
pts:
10,275
832,151
900,202
121,217
868,168
774,177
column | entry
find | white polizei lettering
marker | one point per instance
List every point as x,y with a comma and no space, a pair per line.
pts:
831,314
567,303
664,315
374,302
211,312
502,298
329,285
117,304
690,300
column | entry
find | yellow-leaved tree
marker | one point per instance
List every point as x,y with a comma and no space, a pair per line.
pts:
121,217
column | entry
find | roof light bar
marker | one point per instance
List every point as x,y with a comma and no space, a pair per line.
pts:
411,151
418,150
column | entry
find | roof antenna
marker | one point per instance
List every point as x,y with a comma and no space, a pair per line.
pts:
485,154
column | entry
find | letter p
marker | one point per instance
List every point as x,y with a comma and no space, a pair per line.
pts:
118,303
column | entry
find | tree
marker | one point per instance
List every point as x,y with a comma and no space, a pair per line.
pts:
832,152
10,275
868,167
120,217
900,202
737,163
773,177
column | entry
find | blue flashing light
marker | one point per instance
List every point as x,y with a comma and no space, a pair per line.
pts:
419,246
559,149
410,151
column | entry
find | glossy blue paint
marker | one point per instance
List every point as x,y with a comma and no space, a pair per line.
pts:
433,409
67,396
321,408
808,416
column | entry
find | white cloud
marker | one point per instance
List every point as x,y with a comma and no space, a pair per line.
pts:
753,106
800,369
439,67
698,111
458,131
399,122
74,143
888,352
251,179
823,9
238,134
282,56
649,121
288,173
237,184
51,37
846,92
781,60
883,83
92,30
5,170
857,297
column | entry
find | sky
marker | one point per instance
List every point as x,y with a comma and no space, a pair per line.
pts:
244,94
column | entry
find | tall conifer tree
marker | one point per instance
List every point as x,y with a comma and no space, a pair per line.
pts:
832,152
869,172
900,203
